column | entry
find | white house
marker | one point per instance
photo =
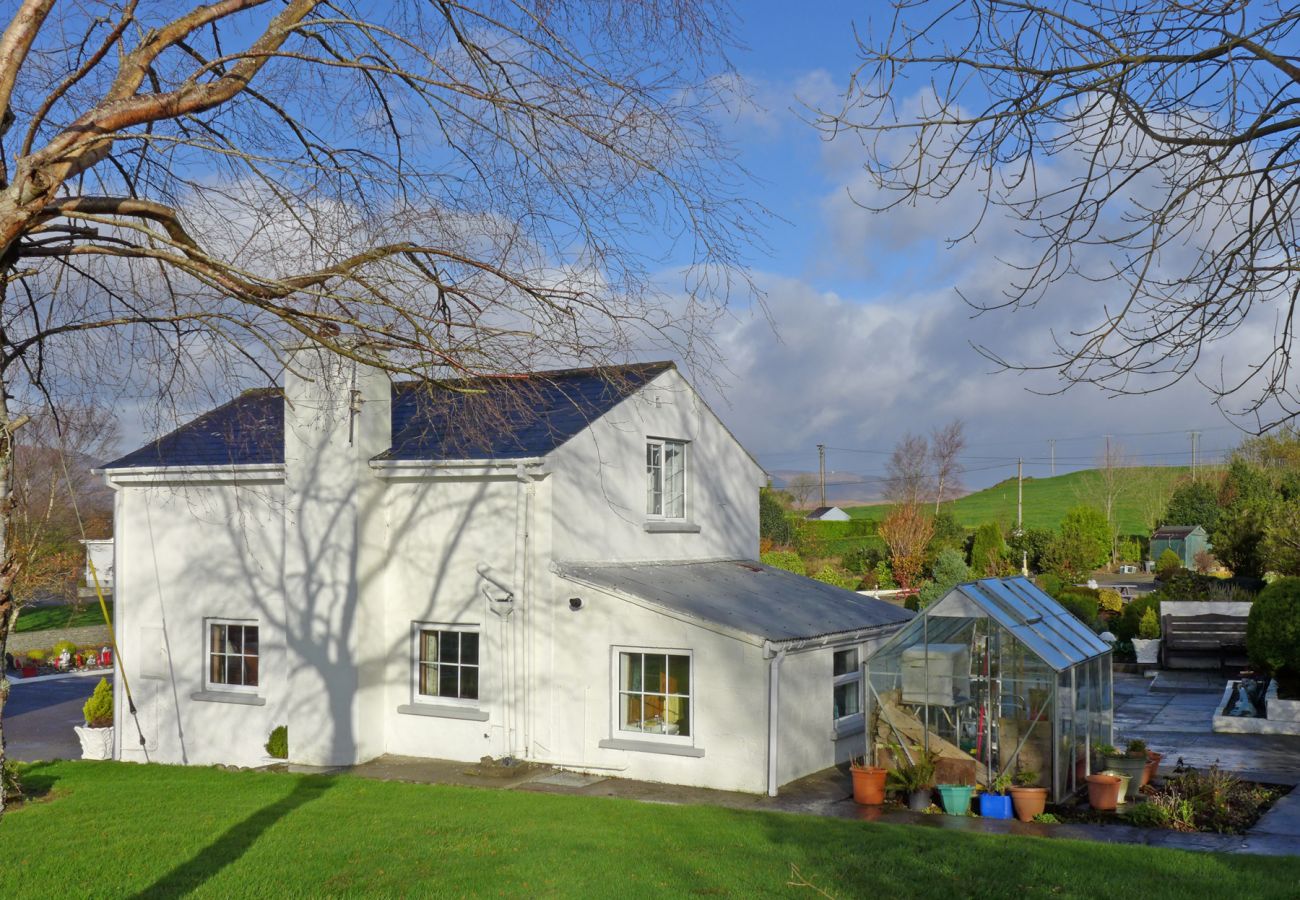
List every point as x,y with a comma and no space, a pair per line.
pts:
99,563
828,514
555,568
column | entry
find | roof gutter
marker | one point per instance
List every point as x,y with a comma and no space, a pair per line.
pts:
773,648
247,473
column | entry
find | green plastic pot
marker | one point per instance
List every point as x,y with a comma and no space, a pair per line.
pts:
956,798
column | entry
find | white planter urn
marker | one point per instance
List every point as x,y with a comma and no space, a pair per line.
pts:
1148,651
96,743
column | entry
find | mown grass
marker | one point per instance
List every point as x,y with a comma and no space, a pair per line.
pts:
43,618
1047,500
111,830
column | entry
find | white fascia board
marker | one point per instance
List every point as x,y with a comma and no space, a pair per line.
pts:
458,468
259,473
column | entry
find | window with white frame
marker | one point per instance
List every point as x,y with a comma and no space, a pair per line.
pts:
233,655
848,684
446,662
665,469
653,692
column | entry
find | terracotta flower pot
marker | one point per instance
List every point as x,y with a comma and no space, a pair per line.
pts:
1103,791
1125,779
1152,767
868,785
1028,802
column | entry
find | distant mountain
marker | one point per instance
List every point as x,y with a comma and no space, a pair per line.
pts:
842,488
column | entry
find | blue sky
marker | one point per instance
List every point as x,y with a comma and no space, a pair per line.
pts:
871,338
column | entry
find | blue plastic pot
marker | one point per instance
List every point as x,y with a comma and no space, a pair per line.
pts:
956,798
995,806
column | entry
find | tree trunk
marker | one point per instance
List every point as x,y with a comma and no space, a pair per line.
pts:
8,605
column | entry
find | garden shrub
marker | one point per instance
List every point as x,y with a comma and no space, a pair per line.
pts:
1168,565
1082,603
773,519
277,745
11,784
1049,583
98,710
1126,626
1110,600
1273,634
35,656
1149,626
64,645
784,559
836,576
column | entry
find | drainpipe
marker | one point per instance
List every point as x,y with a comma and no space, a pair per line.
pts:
775,657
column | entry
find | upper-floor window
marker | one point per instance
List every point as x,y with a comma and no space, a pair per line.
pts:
665,468
232,655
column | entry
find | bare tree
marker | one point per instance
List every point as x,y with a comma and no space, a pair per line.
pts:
946,445
908,477
802,487
440,189
1145,150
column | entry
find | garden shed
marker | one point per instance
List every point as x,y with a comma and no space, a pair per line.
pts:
994,678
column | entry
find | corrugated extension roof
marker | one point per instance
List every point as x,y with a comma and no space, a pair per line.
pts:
743,596
486,418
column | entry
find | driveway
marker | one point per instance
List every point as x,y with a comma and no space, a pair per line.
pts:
39,717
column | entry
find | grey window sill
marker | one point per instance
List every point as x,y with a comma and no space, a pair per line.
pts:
228,697
671,526
435,711
848,727
651,747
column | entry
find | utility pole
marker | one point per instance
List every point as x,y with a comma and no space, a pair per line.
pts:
1052,443
821,468
1196,439
1020,495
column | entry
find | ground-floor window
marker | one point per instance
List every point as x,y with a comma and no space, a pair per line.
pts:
848,684
233,654
653,691
446,662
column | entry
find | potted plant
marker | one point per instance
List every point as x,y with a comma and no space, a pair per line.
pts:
995,803
1103,791
1028,799
97,737
1124,780
868,782
1132,762
915,779
956,798
1147,643
1153,767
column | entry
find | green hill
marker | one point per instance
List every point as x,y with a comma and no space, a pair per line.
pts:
1142,495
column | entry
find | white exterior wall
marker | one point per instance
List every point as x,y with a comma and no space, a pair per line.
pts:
600,483
179,562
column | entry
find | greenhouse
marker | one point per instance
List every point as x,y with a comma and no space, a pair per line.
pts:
994,678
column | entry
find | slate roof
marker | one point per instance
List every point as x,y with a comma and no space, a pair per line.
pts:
498,417
246,431
743,596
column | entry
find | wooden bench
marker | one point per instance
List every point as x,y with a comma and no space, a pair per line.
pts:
1219,637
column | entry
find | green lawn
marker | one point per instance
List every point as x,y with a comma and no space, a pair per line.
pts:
43,618
1047,500
106,829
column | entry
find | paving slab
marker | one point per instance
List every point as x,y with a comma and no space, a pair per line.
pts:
1282,819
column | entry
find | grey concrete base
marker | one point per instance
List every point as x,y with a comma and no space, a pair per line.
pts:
1283,716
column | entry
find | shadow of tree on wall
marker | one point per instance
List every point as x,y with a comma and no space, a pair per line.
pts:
236,840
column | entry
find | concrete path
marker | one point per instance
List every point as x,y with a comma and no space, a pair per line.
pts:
41,713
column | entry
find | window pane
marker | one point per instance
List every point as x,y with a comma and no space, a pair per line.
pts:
469,648
250,640
217,638
656,672
234,639
449,647
674,480
429,680
631,711
428,646
447,681
250,670
847,700
631,663
469,683
679,674
679,716
234,670
846,661
654,480
216,669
